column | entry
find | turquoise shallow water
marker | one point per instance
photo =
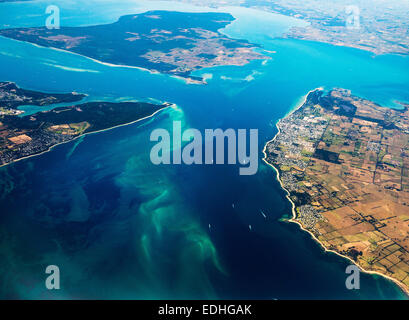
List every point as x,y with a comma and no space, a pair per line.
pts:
120,227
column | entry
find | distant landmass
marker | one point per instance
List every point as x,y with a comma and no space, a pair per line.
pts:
344,162
175,43
378,26
24,136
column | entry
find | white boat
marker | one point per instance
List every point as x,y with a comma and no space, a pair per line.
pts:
263,214
250,227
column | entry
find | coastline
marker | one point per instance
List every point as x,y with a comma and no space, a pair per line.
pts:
293,206
187,80
88,133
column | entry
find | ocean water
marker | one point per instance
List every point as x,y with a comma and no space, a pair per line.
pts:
120,227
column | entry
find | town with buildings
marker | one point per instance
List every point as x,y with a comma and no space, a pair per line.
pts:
344,162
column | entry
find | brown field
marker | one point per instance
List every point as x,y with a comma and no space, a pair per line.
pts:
23,138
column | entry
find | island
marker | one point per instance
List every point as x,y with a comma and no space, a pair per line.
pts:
344,163
175,43
24,136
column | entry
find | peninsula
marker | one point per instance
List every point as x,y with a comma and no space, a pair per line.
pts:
377,26
175,43
344,162
12,97
23,136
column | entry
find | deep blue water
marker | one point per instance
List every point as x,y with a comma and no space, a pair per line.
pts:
120,227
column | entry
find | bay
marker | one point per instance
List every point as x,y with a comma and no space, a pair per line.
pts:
120,227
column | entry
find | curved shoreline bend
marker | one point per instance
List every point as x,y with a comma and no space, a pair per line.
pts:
85,134
293,219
